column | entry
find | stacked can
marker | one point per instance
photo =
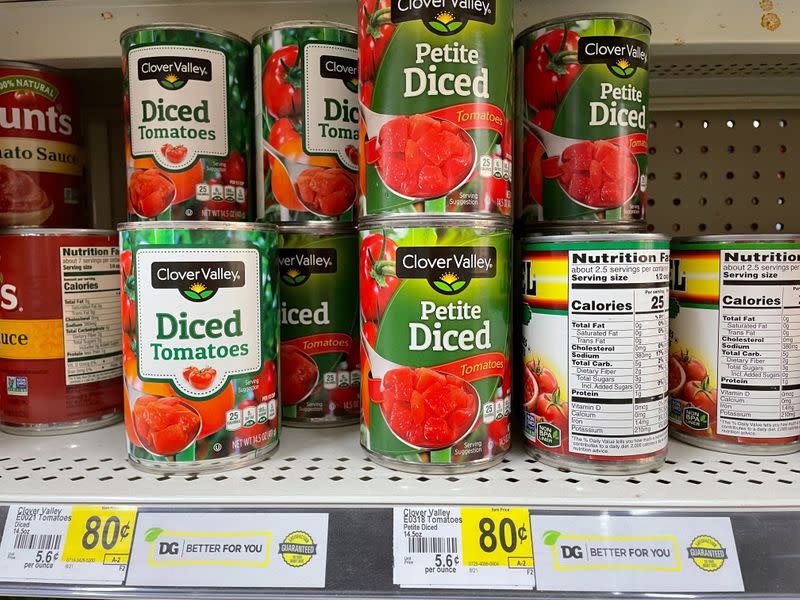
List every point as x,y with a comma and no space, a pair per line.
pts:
435,228
593,320
306,171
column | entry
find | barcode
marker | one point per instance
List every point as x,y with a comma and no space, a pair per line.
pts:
433,545
44,541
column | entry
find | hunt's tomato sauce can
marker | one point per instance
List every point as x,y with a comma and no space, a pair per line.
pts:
435,302
306,121
188,103
320,352
582,118
595,337
60,354
200,323
436,128
41,158
734,382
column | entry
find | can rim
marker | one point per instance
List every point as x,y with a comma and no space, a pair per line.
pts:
301,23
585,17
733,238
317,227
577,227
217,225
21,64
425,220
596,237
31,231
182,27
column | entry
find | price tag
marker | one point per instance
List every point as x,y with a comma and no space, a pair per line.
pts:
66,544
471,547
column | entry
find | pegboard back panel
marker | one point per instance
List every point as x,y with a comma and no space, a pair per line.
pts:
723,171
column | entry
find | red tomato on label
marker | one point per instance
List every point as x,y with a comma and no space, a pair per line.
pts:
200,379
282,83
694,369
499,432
551,66
370,331
283,130
375,29
234,169
544,377
545,119
700,395
377,279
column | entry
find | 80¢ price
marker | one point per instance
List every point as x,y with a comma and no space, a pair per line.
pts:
496,537
100,534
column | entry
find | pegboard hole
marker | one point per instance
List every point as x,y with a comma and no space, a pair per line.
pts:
781,201
678,150
703,201
653,124
677,175
782,148
728,201
651,150
701,226
781,174
728,226
703,175
676,227
651,227
704,149
778,226
651,176
754,200
705,124
676,201
756,175
753,226
730,149
678,123
782,123
730,123
756,149
651,202
756,123
729,175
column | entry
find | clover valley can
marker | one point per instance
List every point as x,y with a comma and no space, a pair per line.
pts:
60,354
595,337
582,118
200,322
188,102
320,352
41,158
436,129
435,313
734,382
306,104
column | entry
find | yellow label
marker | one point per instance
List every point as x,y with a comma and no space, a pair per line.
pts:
100,534
695,276
496,537
548,285
31,340
41,156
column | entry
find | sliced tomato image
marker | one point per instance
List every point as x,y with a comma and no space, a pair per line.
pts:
551,65
165,426
150,192
599,174
328,192
22,201
282,82
422,157
426,408
299,375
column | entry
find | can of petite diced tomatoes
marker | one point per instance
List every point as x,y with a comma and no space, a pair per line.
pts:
41,158
595,336
734,382
188,102
320,352
200,322
582,118
306,103
60,367
436,128
435,302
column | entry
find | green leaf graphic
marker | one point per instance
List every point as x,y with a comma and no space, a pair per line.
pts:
458,285
166,84
300,279
438,26
443,286
351,86
630,70
178,84
550,537
206,294
152,534
191,295
453,25
617,71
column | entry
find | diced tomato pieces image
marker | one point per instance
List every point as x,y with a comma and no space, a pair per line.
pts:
427,409
423,157
165,426
150,192
598,174
328,192
299,375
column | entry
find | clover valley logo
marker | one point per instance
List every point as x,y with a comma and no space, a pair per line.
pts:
448,269
444,17
174,72
197,282
622,56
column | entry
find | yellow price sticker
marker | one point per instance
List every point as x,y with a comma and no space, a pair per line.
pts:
100,534
496,537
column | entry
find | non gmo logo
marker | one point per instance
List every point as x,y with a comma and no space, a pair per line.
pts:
297,264
444,17
448,269
622,56
173,72
197,282
340,67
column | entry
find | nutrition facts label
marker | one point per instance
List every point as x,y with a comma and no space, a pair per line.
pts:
618,351
759,343
90,303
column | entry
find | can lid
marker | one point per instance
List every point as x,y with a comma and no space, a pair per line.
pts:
409,220
578,227
585,17
18,64
301,23
578,238
321,227
41,231
182,27
200,225
743,238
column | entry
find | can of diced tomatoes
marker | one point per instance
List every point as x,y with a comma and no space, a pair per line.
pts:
734,365
435,134
60,365
582,118
595,337
306,99
200,323
41,157
188,103
435,300
320,353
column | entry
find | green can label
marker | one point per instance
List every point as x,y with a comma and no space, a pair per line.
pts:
582,103
307,122
435,133
320,362
435,309
200,321
188,109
